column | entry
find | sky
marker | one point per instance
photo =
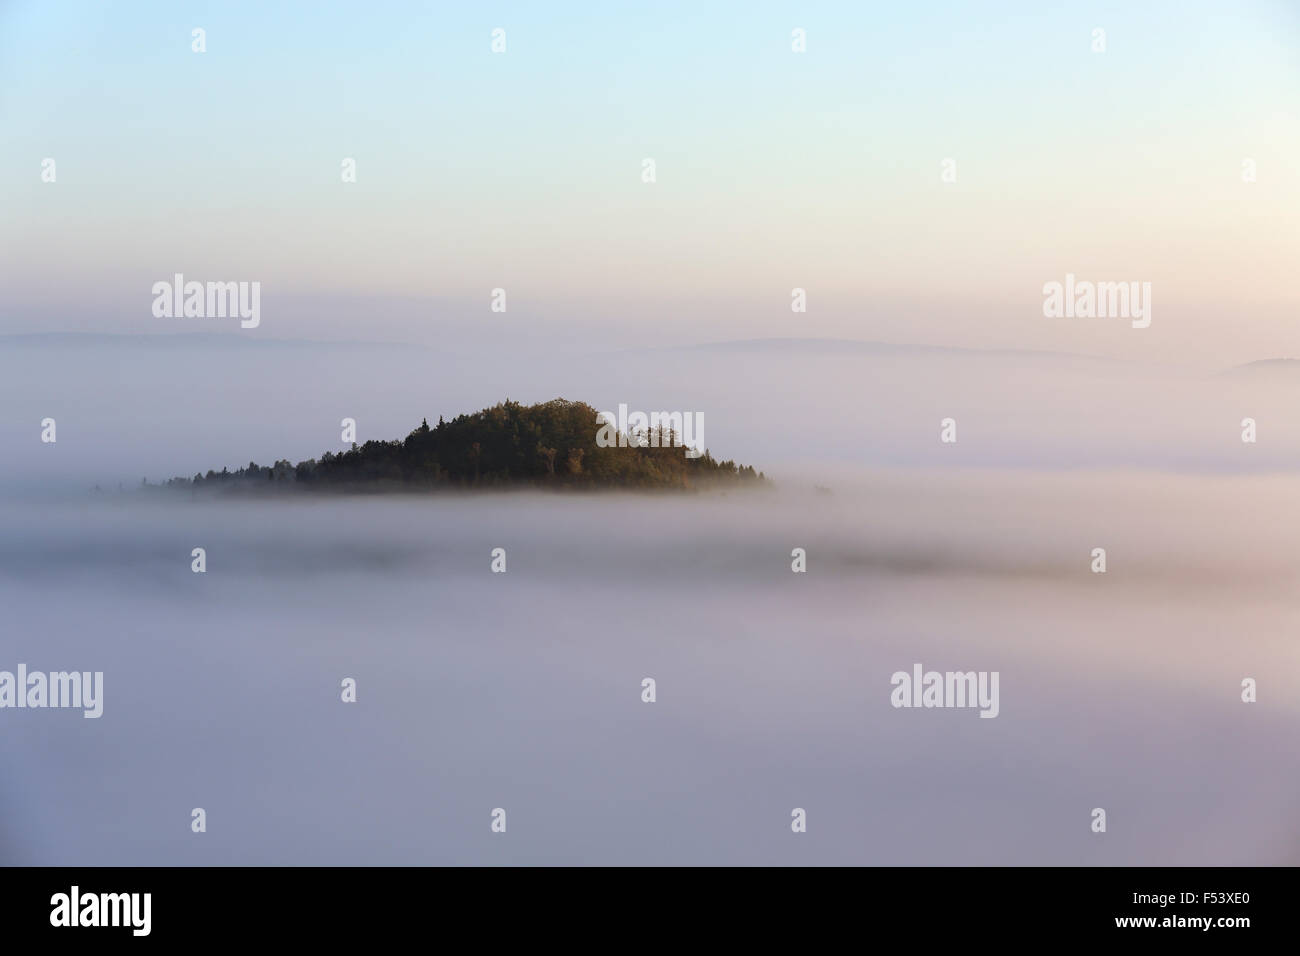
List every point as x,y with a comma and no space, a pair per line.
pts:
775,170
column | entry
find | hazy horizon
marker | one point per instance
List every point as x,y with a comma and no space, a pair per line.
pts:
130,409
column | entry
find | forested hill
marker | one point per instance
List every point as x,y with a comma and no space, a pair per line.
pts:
552,444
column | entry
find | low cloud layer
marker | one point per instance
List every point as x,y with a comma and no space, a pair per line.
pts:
523,690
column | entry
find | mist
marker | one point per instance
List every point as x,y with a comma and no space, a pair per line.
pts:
152,407
479,690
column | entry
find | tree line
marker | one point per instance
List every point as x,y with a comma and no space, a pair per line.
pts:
550,444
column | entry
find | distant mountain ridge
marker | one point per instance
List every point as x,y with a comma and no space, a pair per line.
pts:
1263,367
807,346
225,340
836,346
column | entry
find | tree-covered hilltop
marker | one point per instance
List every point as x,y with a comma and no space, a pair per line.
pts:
552,444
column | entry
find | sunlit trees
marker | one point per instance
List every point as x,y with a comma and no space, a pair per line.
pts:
507,445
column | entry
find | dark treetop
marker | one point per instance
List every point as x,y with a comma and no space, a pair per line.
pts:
552,444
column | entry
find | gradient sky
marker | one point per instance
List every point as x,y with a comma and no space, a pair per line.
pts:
775,170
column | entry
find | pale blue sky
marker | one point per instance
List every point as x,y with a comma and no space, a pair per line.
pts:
775,169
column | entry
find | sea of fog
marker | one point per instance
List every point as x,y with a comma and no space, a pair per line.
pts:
523,690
